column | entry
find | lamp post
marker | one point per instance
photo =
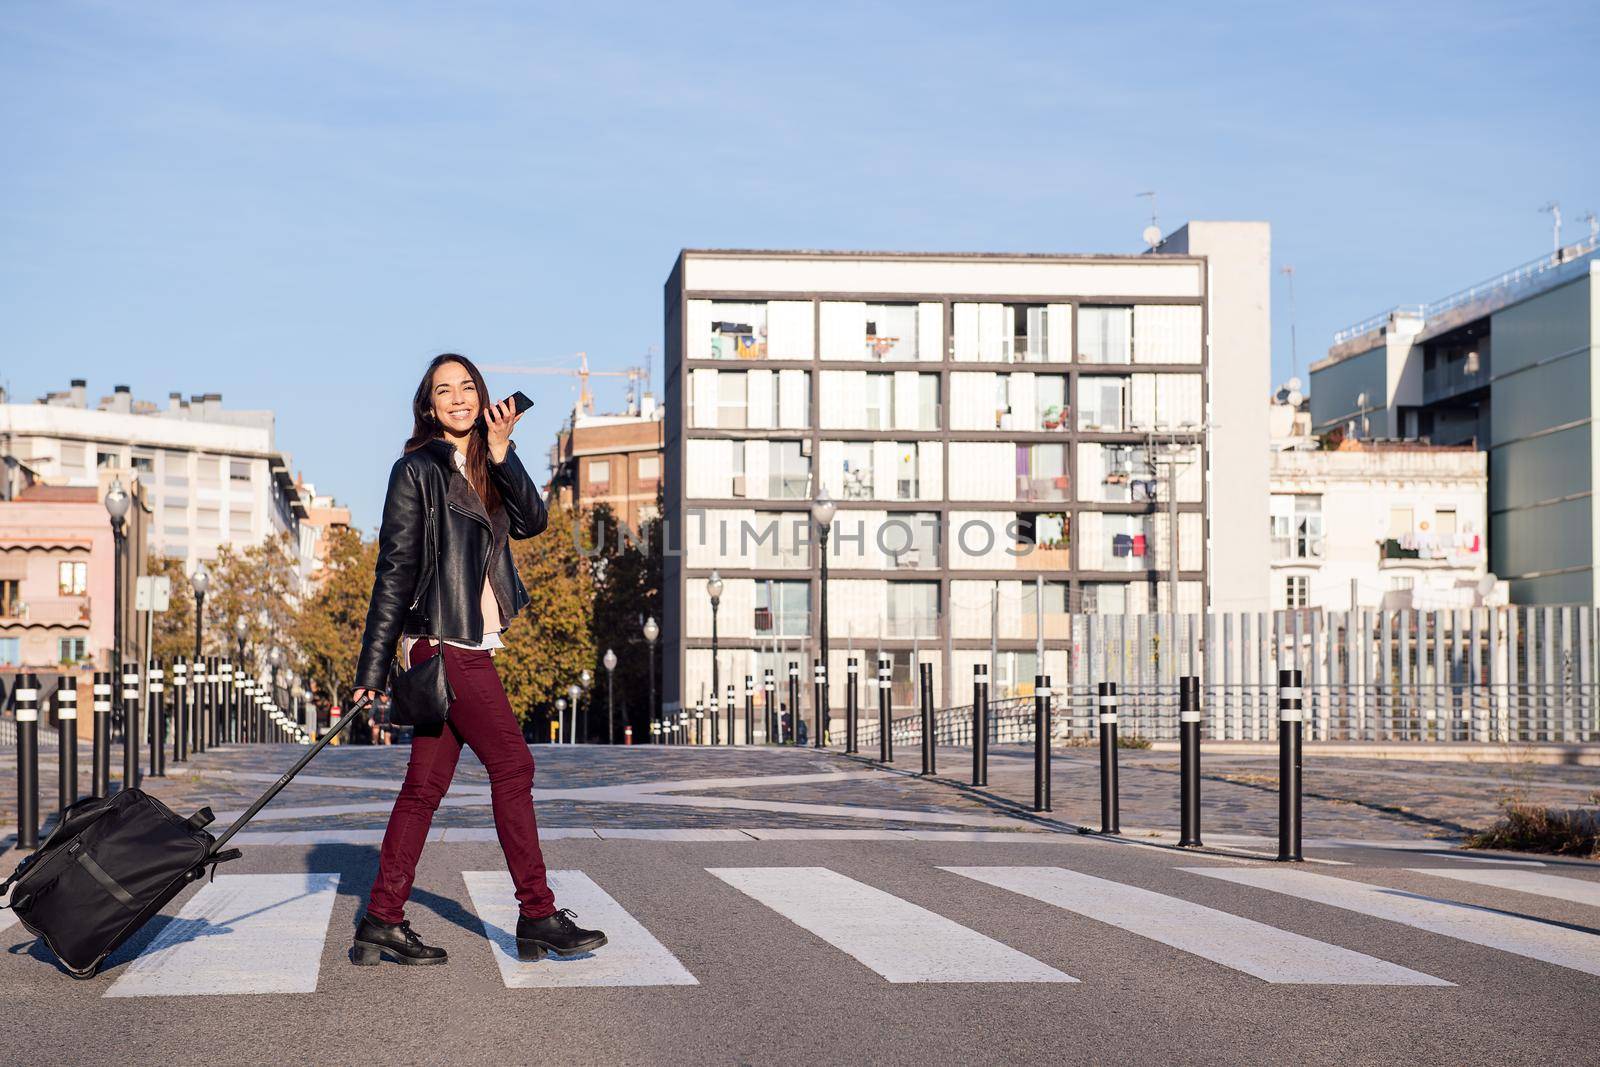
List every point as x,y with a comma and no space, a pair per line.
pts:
651,632
822,510
573,692
199,581
274,660
241,628
561,714
714,591
610,661
586,679
117,501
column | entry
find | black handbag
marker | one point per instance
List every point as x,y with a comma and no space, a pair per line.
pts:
421,694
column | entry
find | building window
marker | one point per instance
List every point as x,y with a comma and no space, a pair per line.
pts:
239,523
732,405
209,521
789,475
71,649
1029,340
1296,527
891,332
10,597
1105,334
10,651
649,468
783,609
1103,404
855,479
144,464
1042,472
600,474
738,331
906,485
73,578
239,470
1444,526
107,460
912,609
1401,522
1104,598
1297,591
880,401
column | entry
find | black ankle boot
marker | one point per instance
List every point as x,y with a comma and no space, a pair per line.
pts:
374,940
555,933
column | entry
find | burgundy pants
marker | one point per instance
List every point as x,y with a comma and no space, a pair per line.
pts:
482,718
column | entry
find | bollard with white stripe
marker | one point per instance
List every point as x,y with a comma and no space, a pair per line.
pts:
1110,819
819,703
1289,727
885,717
980,724
156,711
180,711
26,695
928,739
100,772
769,714
794,703
729,704
1041,742
852,705
716,719
67,739
226,734
749,710
1189,760
132,735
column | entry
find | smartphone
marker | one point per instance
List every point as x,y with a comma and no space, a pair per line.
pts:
522,401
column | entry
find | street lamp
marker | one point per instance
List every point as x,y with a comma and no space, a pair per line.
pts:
714,591
561,711
651,632
822,510
117,502
610,661
200,581
573,692
586,679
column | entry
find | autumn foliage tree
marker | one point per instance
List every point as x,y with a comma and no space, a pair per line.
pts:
327,629
551,641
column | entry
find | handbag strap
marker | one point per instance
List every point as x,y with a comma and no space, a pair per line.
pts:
438,598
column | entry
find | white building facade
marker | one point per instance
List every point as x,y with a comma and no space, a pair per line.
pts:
1006,438
212,476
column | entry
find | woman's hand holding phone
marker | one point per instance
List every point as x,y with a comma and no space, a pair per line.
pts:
502,419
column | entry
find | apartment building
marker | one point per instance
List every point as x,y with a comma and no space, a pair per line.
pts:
211,475
1006,438
1508,366
612,459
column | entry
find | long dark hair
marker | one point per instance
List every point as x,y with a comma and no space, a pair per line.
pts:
425,428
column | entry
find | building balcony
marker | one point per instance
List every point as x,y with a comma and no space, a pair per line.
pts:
1048,489
1301,550
1046,558
1452,377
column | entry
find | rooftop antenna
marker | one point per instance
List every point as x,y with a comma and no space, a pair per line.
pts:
1594,226
1287,270
1554,207
1152,232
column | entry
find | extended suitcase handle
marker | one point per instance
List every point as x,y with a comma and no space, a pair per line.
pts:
288,776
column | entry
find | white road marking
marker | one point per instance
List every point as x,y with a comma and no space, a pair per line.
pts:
631,957
1464,922
1572,890
710,833
7,917
896,938
1484,859
1255,948
243,933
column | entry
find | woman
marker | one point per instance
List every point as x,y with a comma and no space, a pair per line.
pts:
457,495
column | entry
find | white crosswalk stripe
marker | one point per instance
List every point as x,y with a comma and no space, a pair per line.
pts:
243,933
7,917
896,938
631,957
1255,948
1464,922
1572,890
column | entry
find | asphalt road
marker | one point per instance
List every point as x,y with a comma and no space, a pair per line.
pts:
851,950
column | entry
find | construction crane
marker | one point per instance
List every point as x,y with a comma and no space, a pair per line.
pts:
585,403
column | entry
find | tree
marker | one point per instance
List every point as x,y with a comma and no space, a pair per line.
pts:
172,631
260,585
328,627
551,640
627,585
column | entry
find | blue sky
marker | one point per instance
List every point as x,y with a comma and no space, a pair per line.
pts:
297,204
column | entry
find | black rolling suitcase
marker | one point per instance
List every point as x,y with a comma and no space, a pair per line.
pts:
113,862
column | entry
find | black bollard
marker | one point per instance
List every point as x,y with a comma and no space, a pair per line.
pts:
749,710
132,735
716,722
769,712
794,703
1289,727
1189,760
852,707
224,712
26,696
1041,742
100,772
67,739
180,712
1110,822
156,712
980,724
885,725
733,737
928,739
819,702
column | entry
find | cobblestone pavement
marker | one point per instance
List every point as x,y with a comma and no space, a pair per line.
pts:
353,787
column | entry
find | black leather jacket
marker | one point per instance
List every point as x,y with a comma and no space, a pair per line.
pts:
430,503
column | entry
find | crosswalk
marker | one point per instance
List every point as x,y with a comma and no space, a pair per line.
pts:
273,933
